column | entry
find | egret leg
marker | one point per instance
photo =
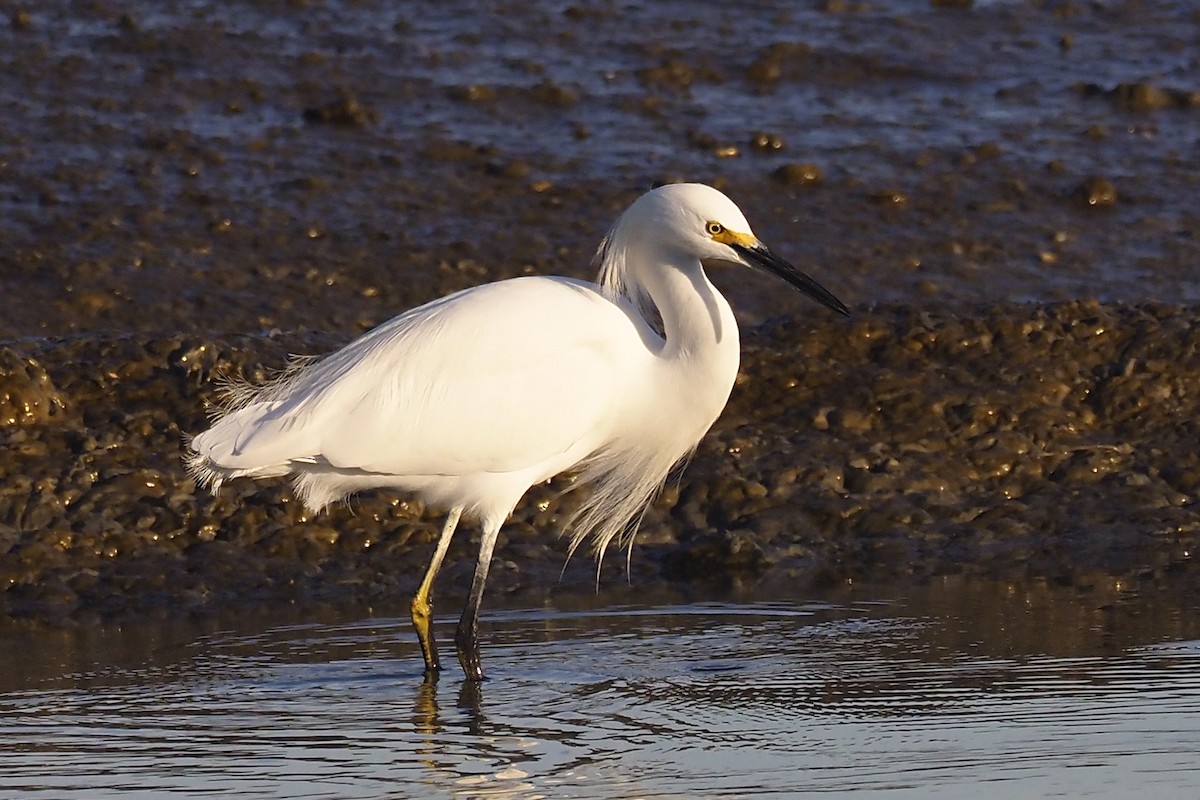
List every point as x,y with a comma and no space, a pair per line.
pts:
422,602
466,638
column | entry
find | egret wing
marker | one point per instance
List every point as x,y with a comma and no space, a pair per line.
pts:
498,378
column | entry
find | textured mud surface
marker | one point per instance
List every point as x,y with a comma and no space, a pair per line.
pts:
1056,442
208,187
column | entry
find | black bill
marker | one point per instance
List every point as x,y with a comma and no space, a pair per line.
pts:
762,258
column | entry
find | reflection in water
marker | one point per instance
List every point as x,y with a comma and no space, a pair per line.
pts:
918,691
425,709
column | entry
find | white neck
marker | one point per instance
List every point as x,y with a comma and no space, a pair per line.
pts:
701,333
696,317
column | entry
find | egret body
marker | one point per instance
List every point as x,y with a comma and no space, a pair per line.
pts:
467,401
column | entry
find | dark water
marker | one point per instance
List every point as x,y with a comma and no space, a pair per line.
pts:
915,692
162,165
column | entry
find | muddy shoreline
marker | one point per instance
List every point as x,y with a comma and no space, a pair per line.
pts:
1052,442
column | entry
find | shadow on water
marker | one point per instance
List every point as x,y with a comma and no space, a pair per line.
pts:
1011,690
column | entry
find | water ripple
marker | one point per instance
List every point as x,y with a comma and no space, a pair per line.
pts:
745,700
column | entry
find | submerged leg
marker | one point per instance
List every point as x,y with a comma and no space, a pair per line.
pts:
466,638
422,602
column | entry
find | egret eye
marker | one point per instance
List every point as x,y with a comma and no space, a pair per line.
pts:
715,229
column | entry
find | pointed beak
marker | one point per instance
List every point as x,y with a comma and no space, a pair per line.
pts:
759,257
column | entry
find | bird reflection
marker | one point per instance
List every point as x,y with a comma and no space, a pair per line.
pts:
470,701
426,714
425,708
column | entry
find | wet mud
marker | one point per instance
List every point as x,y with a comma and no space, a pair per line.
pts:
1055,442
206,188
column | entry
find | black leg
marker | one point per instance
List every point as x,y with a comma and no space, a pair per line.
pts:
467,637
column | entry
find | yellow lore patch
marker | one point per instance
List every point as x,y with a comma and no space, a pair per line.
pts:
721,234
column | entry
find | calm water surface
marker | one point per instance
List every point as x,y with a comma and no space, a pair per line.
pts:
903,695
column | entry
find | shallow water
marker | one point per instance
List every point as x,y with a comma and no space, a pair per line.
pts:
905,694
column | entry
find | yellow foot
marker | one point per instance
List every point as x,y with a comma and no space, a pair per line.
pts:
422,620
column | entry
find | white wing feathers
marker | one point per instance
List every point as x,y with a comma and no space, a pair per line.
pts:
443,389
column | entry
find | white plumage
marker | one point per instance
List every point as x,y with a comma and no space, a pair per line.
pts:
469,400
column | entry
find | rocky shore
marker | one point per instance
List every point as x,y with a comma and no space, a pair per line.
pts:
1054,441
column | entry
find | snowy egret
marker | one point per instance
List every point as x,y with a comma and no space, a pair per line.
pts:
469,400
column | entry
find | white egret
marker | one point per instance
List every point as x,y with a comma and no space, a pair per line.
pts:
469,400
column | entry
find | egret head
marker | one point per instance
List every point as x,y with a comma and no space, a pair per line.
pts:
702,223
